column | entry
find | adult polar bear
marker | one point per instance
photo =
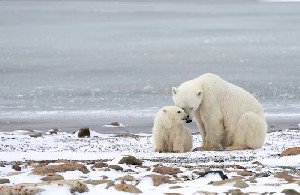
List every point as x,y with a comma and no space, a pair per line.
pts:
228,116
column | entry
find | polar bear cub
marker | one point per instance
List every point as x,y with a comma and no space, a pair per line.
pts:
169,134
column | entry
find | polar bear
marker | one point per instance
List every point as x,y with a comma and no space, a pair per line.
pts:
228,116
169,134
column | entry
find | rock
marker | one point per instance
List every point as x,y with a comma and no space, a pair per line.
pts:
62,161
53,177
285,176
257,163
222,175
126,178
263,174
235,192
239,183
14,173
167,170
16,167
36,135
244,173
175,187
159,179
97,182
84,132
206,193
239,167
3,181
54,131
116,124
128,171
170,193
251,179
115,167
290,152
45,170
78,186
104,177
130,160
19,190
127,188
100,165
290,192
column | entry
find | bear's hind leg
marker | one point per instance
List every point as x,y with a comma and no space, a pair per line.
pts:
250,132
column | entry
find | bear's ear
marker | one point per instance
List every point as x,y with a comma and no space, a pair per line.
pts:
199,93
165,111
174,90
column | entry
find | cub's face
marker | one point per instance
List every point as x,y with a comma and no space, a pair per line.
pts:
175,114
188,100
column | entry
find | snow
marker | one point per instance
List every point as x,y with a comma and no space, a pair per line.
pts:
19,146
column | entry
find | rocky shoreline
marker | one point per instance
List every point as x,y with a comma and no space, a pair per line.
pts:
125,163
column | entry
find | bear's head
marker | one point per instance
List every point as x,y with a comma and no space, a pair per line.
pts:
170,116
188,98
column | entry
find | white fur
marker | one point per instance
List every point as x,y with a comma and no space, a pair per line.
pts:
169,134
228,116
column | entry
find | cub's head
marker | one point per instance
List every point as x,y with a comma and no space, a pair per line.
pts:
171,116
187,98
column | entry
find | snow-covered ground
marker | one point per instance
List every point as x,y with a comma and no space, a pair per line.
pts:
263,164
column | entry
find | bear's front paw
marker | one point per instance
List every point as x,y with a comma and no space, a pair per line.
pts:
158,150
177,151
198,149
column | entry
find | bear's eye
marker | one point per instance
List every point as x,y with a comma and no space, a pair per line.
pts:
178,112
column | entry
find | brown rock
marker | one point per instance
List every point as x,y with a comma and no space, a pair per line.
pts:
53,177
116,124
285,176
175,187
19,190
251,179
99,165
159,179
257,163
33,188
62,161
290,192
45,170
14,173
126,178
206,193
4,181
97,182
235,192
244,173
167,170
16,167
54,131
36,135
238,182
130,160
290,152
116,167
84,132
127,188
